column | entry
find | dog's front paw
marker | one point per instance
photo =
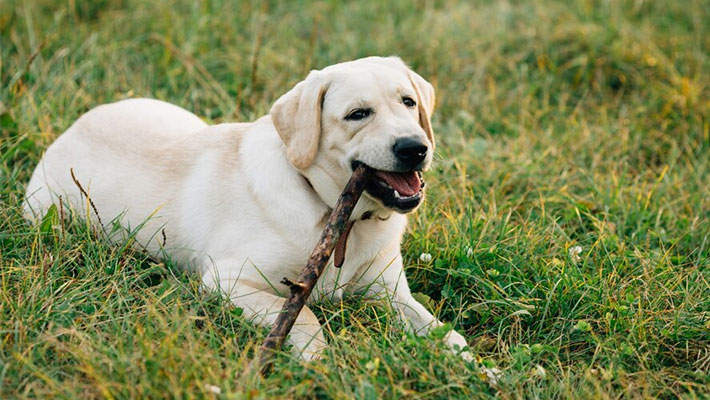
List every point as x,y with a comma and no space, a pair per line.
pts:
457,343
311,351
466,355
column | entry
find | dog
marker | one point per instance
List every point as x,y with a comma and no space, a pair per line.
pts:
243,204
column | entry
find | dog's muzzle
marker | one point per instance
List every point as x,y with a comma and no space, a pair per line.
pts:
401,191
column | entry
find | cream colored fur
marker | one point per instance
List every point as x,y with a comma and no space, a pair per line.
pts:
231,199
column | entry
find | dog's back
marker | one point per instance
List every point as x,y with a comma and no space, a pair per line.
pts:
105,149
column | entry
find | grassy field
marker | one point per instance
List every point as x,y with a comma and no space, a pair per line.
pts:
568,215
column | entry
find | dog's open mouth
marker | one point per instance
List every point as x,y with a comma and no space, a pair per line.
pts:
402,191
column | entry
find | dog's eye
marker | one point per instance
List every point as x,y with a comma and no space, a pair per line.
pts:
358,114
408,101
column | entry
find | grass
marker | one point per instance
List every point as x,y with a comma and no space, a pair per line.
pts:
560,124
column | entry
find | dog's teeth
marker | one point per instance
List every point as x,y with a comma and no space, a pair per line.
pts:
397,195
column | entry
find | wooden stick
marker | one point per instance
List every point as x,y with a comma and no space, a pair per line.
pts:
301,289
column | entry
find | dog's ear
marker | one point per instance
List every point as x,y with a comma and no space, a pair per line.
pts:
425,102
297,118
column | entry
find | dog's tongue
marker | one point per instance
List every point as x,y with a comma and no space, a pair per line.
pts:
406,183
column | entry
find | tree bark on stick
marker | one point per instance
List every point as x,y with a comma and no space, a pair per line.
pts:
302,288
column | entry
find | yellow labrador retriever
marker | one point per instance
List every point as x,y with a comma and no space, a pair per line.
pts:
244,203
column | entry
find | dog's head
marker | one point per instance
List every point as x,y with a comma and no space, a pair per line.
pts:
374,111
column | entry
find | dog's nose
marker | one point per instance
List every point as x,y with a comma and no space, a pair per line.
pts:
410,151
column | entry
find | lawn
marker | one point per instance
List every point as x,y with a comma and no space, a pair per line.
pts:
568,216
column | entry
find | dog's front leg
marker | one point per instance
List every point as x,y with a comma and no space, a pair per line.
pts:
262,307
421,321
392,283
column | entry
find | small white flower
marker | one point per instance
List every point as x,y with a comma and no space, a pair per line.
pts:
212,388
490,375
574,253
469,251
425,257
540,371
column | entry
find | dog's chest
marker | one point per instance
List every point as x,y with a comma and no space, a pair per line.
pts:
368,244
